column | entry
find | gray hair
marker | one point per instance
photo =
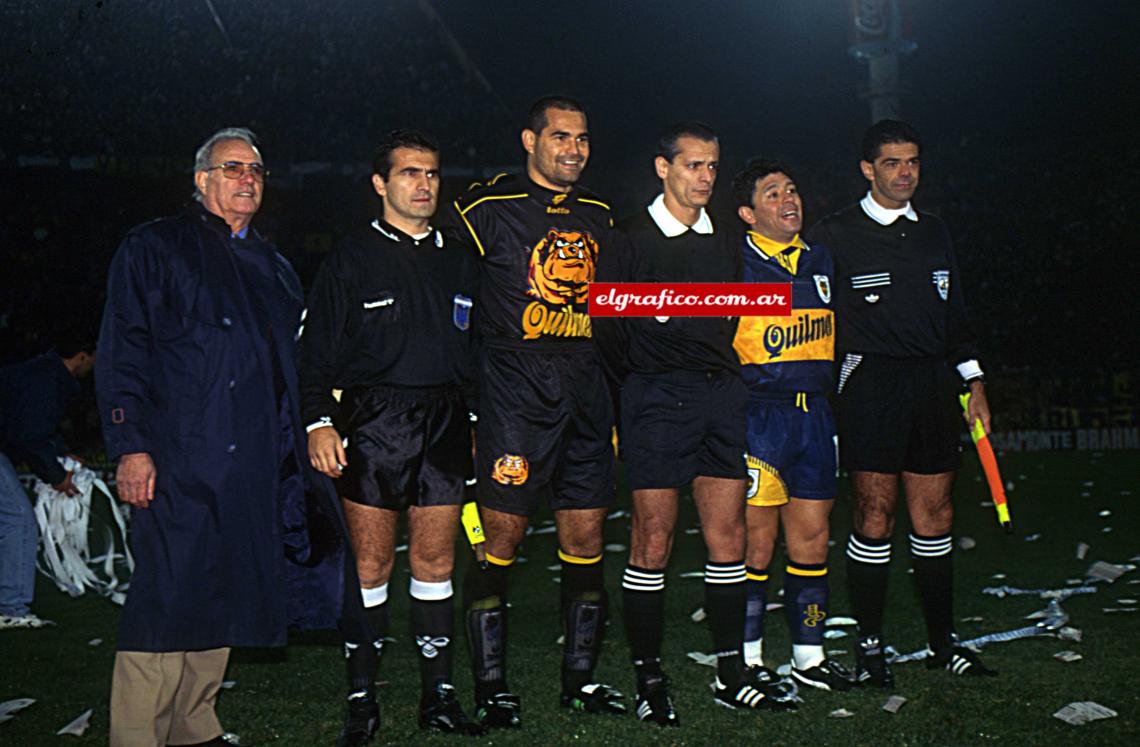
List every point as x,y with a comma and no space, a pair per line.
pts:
205,153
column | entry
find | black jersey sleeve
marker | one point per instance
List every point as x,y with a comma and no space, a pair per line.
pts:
325,320
960,340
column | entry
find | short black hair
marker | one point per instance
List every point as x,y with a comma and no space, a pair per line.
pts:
667,143
74,342
382,159
536,119
744,183
887,131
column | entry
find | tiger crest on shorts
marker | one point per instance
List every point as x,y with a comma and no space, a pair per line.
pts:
510,469
562,265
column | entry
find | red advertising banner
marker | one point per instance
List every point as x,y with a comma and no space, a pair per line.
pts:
690,299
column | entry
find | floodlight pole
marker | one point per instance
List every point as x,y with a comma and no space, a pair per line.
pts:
879,35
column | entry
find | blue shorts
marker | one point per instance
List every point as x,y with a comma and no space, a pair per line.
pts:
791,453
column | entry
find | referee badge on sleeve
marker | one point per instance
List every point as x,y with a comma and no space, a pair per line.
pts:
941,280
461,311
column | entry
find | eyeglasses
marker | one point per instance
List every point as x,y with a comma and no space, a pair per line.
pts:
237,169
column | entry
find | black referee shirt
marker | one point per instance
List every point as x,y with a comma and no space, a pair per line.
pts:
387,309
679,343
897,290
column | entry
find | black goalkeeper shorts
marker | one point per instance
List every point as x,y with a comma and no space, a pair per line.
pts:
406,447
544,431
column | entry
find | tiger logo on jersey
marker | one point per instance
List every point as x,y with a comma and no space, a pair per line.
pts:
510,469
562,265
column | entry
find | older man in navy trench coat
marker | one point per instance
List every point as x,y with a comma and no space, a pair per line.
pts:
197,390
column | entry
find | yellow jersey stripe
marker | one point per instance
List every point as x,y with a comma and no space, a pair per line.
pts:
487,198
594,202
471,228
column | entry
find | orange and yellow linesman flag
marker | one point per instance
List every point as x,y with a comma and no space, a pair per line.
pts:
989,465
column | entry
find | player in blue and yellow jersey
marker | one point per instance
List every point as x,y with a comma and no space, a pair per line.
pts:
787,363
545,421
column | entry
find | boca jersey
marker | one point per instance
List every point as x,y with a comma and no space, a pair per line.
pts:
539,252
789,354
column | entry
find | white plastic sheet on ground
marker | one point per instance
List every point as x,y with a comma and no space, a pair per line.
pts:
66,555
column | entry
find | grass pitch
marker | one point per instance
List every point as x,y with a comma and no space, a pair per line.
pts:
294,696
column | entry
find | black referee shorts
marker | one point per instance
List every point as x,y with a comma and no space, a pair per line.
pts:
681,425
544,431
899,416
406,447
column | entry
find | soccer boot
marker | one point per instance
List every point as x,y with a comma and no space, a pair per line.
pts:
440,712
594,697
749,693
653,702
871,668
768,682
959,660
827,675
500,711
361,720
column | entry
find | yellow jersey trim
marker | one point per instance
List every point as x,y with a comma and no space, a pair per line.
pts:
775,250
599,203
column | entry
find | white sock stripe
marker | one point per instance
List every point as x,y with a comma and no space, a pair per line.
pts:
636,580
430,591
879,556
931,542
725,574
376,596
728,576
884,546
632,574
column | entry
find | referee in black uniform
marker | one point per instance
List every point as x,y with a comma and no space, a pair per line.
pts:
683,423
905,350
388,322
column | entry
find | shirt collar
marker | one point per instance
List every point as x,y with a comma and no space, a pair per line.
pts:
672,227
886,216
392,233
771,248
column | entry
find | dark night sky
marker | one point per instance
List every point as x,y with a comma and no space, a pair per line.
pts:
775,75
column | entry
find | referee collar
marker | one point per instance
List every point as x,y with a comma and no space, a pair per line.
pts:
672,227
886,216
392,233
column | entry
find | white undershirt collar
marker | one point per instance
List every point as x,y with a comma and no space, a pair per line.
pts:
886,216
672,227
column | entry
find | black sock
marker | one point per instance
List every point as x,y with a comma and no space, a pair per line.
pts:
584,609
724,603
485,604
934,576
755,609
643,597
432,610
362,658
868,563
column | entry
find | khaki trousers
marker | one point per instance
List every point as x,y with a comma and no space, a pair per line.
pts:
166,698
